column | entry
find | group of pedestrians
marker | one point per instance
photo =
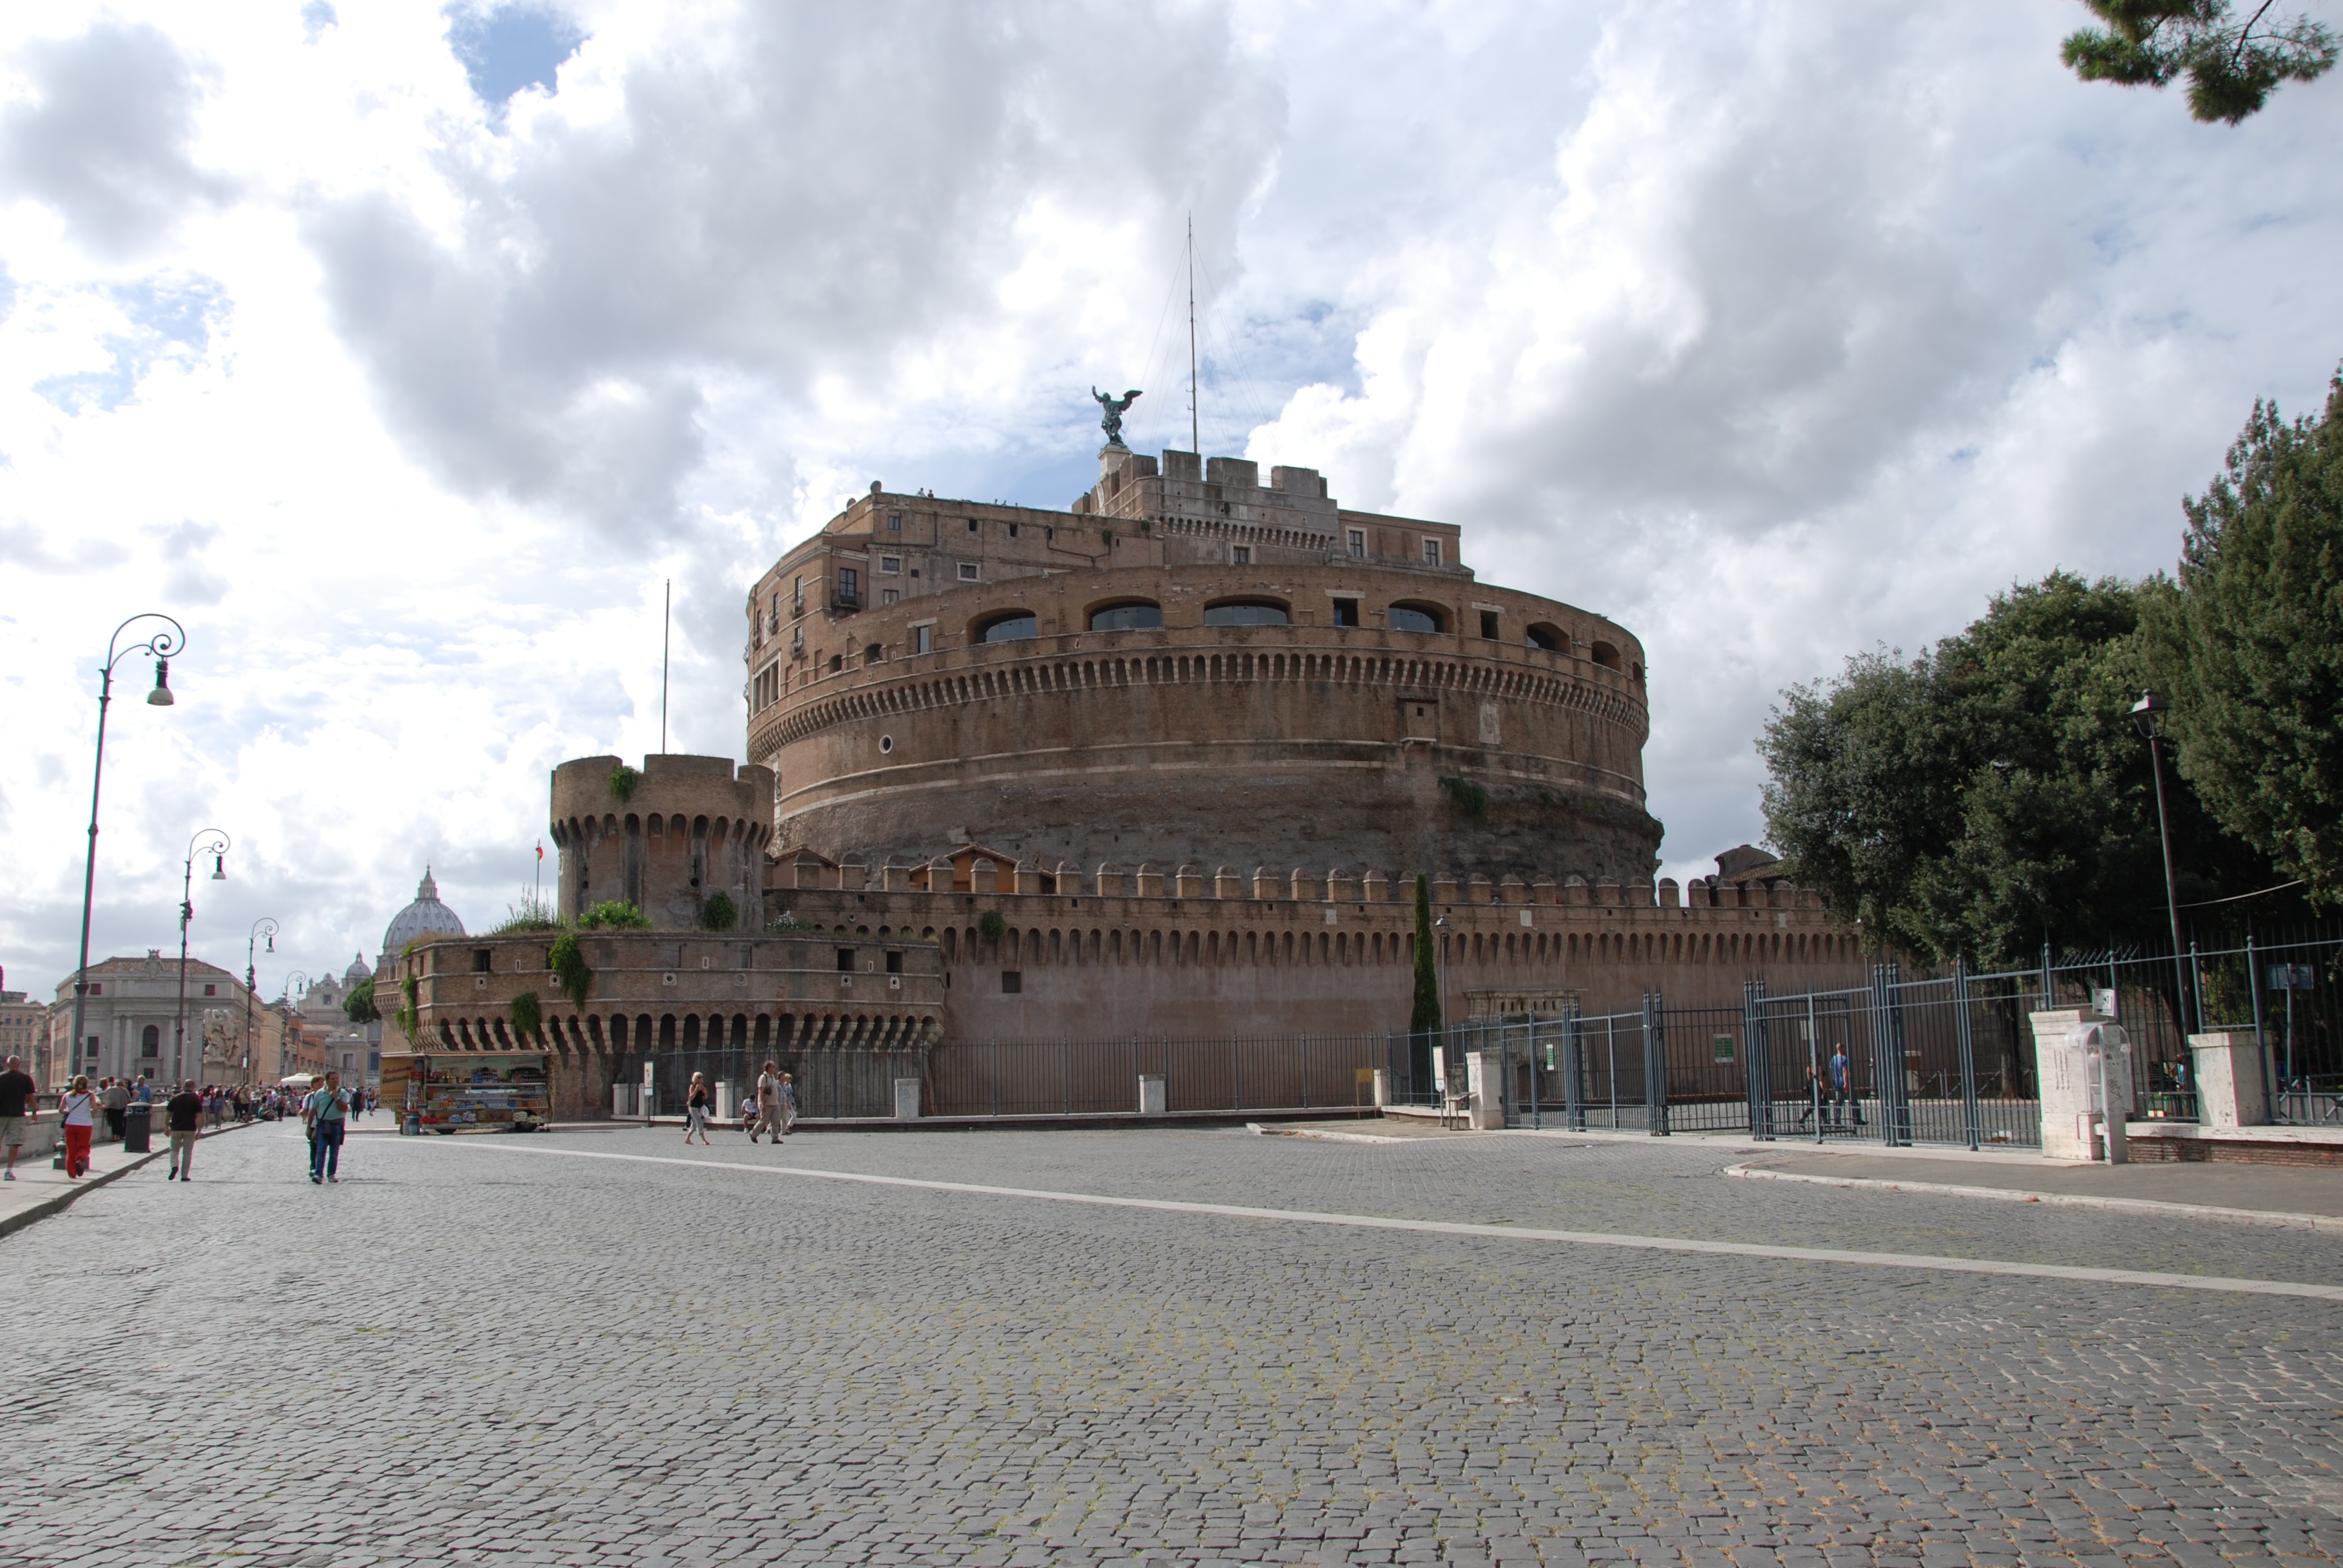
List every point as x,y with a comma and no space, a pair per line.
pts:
1828,1095
773,1110
326,1112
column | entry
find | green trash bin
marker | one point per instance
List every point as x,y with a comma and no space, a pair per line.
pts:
137,1135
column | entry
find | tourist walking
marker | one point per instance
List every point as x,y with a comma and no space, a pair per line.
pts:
79,1111
182,1113
19,1100
695,1109
1840,1093
769,1104
325,1114
116,1101
788,1104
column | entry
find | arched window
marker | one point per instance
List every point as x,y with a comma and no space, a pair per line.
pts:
1418,618
1012,627
1606,656
150,1041
1246,612
1131,615
1550,637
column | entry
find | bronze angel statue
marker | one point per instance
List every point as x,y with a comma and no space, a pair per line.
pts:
1111,421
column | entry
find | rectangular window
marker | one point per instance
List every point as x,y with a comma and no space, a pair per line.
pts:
920,643
480,957
894,522
1347,612
1489,624
894,963
889,566
797,596
972,524
1432,552
850,583
211,990
888,596
1358,544
846,960
1241,555
1012,530
94,988
1012,982
968,571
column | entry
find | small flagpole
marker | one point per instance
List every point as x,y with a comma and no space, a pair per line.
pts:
667,630
541,871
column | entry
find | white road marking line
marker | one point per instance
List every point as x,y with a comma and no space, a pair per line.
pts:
1458,1228
2274,1218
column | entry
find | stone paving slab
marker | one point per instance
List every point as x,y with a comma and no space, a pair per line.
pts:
2270,1188
480,1355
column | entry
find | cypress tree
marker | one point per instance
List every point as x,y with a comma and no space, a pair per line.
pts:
1426,1018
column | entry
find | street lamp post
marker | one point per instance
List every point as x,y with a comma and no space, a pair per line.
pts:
1439,978
160,646
2147,718
291,1009
263,926
213,842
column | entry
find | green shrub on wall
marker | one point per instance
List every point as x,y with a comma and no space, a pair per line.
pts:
566,959
527,1017
623,780
991,926
719,914
1474,799
614,915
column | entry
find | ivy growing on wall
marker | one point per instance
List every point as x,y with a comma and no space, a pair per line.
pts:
1468,795
719,914
527,1017
409,1007
623,780
567,958
614,915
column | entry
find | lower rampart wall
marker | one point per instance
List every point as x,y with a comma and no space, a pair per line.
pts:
1086,968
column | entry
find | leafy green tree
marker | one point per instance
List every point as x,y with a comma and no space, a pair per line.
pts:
1991,794
1426,1016
2231,66
358,1003
2249,644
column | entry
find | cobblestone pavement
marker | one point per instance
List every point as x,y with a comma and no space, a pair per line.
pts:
483,1350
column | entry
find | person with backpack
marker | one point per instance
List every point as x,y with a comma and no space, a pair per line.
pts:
79,1109
325,1114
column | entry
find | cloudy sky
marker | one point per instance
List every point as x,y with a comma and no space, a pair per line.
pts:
404,353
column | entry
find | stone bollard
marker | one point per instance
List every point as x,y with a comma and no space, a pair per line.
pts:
1382,1087
2226,1068
2082,1065
907,1099
1485,1075
1151,1099
723,1099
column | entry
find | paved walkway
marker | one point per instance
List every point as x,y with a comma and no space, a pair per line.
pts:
1168,1346
41,1190
2269,1190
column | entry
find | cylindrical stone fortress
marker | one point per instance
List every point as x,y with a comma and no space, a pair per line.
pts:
664,839
1190,666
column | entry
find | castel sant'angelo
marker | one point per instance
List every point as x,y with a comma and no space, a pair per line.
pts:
1165,763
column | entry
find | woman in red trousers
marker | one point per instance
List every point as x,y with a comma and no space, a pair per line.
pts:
78,1105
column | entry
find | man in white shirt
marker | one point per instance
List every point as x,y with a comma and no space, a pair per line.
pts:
769,1104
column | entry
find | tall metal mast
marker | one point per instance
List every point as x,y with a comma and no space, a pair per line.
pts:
1196,442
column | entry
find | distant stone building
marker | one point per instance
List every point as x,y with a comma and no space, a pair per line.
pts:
130,1017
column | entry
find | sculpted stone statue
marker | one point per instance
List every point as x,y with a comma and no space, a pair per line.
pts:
1111,422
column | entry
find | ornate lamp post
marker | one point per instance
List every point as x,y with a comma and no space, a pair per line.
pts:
291,1009
213,842
2147,718
263,926
159,646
